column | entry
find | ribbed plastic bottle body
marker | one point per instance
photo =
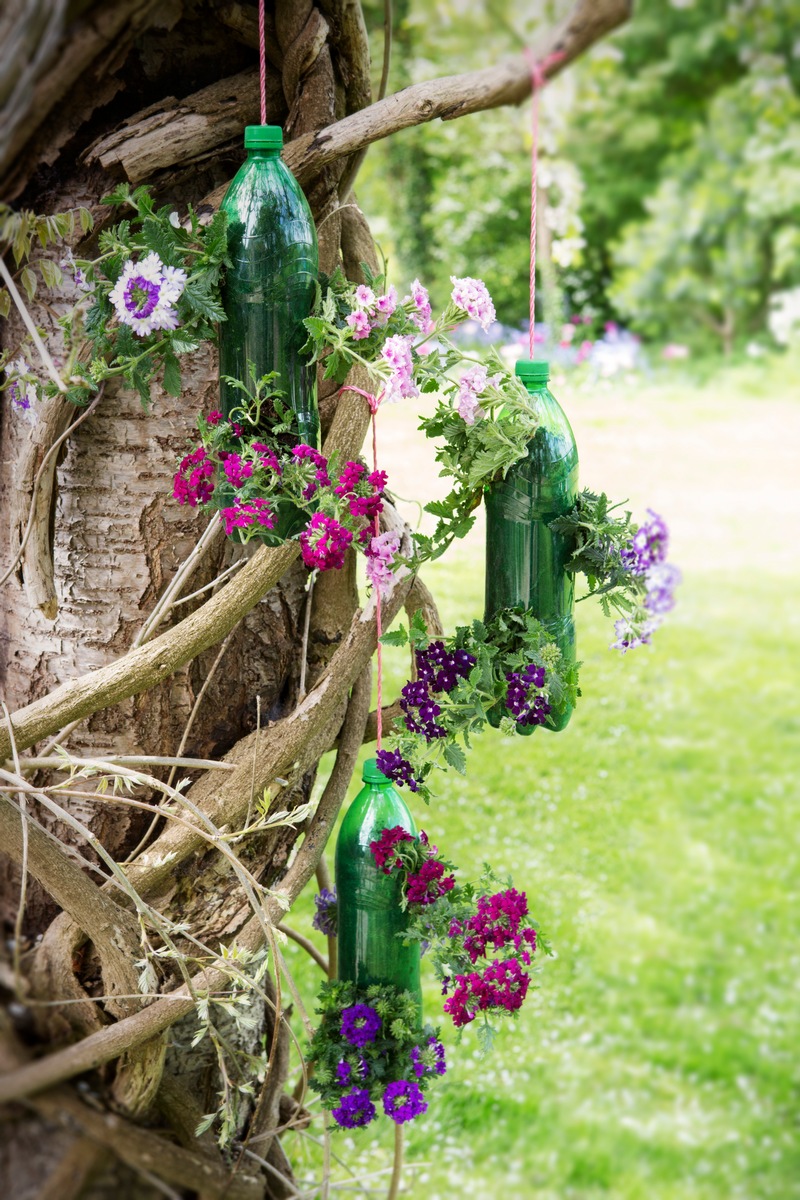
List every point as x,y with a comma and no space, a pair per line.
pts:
525,558
370,915
270,287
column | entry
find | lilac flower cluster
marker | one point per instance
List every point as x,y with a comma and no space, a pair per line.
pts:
648,547
472,297
324,542
645,556
498,925
326,918
422,307
523,699
380,556
21,391
371,311
145,295
396,353
471,386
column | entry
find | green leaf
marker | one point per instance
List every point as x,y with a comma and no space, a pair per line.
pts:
5,303
455,757
396,637
86,220
172,375
51,273
28,281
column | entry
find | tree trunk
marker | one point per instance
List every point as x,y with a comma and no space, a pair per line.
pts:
159,91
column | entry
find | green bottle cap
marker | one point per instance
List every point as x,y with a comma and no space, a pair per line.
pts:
371,774
532,372
263,137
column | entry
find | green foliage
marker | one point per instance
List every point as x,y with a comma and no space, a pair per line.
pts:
387,1057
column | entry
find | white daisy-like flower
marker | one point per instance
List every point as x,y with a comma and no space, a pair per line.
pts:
145,295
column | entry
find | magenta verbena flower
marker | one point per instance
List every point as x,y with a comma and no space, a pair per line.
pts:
326,918
502,985
360,1024
392,764
236,469
267,457
383,850
498,922
472,297
193,482
323,544
145,295
244,513
429,883
308,453
403,1101
354,1110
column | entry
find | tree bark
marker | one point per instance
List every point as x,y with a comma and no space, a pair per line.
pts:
158,92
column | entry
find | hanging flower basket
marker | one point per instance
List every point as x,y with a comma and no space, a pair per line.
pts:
526,559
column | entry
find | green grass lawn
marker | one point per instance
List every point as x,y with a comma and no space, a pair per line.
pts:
658,841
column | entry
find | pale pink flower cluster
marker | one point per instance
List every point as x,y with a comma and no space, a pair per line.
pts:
419,297
400,384
370,310
380,555
473,297
473,383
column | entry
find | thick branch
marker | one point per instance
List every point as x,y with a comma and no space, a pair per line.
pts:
133,1031
451,96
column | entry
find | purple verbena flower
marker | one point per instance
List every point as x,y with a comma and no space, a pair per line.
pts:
360,1024
428,1059
326,918
392,764
403,1101
648,546
661,581
354,1110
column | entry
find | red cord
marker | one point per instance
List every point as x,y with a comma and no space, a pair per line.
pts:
262,50
538,80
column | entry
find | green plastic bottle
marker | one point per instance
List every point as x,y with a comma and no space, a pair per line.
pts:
370,915
525,559
269,289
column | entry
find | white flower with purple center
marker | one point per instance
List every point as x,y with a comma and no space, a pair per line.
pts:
472,297
632,631
145,295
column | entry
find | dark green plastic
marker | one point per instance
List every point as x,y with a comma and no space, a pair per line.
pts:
525,559
370,915
270,287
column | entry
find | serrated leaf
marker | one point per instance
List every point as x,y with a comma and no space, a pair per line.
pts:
396,637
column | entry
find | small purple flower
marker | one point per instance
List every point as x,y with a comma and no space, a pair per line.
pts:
429,1060
354,1110
326,918
633,632
648,546
661,582
360,1024
403,1101
343,1073
392,764
419,297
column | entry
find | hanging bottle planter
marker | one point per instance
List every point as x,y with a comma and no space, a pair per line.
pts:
369,901
269,288
525,559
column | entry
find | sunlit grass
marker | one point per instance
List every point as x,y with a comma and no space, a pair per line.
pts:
658,841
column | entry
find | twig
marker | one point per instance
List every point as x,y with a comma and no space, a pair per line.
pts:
325,883
397,1170
212,532
27,320
23,887
325,1190
56,763
255,761
387,47
307,945
306,626
56,446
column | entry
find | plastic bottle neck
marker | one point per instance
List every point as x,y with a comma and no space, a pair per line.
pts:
262,153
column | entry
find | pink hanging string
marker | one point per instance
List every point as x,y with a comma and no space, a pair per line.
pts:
538,71
262,51
374,403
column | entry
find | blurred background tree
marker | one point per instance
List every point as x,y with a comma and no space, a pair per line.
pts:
669,168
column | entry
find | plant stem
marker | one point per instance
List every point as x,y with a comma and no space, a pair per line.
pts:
397,1170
